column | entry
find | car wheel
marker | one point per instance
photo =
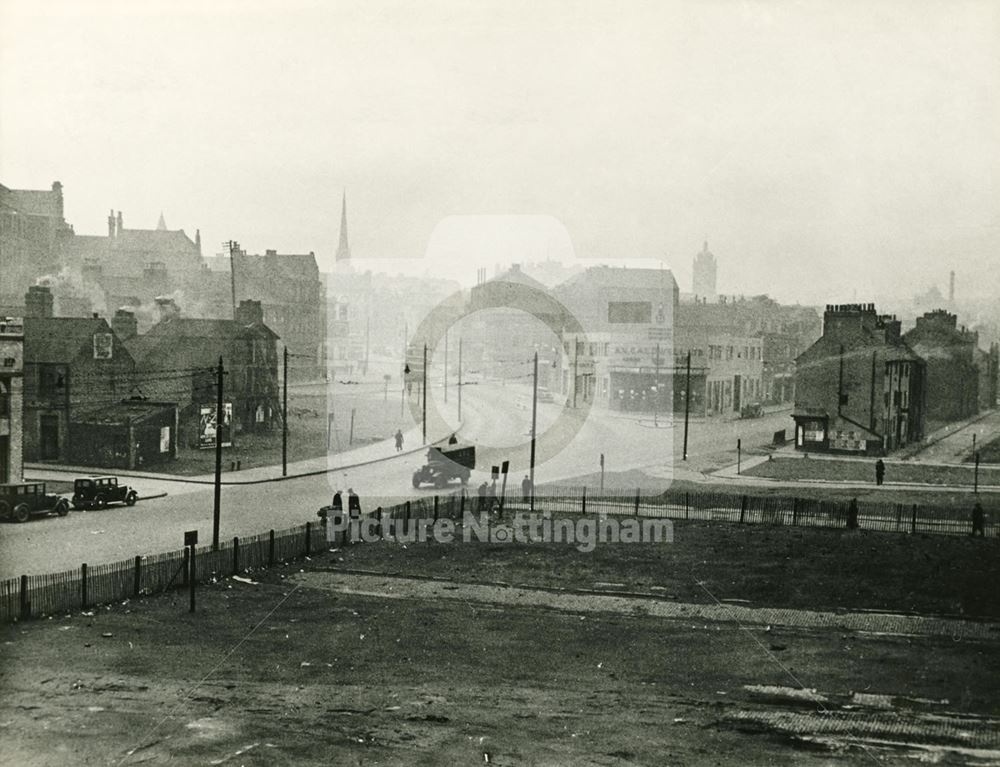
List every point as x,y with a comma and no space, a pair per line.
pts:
62,508
99,502
21,512
4,510
416,480
131,498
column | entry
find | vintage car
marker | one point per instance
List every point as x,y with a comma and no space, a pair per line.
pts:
445,464
19,501
98,492
752,411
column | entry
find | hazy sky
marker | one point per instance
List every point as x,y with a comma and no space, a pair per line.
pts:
820,147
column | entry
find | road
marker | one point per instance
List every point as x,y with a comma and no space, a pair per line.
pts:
495,416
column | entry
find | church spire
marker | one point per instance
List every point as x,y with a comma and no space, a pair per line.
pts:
343,249
161,225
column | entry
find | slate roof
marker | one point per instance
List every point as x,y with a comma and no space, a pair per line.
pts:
63,339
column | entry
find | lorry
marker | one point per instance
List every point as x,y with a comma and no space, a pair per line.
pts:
445,464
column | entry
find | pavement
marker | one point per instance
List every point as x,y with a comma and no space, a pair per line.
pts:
953,443
158,483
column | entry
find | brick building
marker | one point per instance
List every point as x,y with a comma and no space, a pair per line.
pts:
11,399
72,366
859,388
952,371
623,358
293,300
178,359
32,231
727,370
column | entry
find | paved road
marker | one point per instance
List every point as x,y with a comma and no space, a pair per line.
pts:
498,416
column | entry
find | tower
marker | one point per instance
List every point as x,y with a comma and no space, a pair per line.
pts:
161,225
343,249
703,274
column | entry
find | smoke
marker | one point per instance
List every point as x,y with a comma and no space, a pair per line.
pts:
70,287
148,312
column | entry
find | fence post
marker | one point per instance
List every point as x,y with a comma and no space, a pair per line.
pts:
308,536
138,576
270,548
462,504
25,605
687,505
435,508
236,554
187,556
83,585
899,516
583,501
795,511
637,492
743,508
913,522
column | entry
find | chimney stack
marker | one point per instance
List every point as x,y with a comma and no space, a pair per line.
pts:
125,324
168,308
250,313
120,225
38,302
111,223
951,288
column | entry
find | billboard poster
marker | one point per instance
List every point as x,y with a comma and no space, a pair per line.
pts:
207,429
103,346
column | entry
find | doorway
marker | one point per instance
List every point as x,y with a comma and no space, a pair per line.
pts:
48,430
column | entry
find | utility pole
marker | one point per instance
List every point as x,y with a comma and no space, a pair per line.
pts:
218,457
403,378
656,379
576,366
424,419
446,365
368,330
284,418
460,379
534,424
234,248
687,403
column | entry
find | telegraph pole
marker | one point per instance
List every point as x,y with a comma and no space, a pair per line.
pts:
687,403
534,424
656,379
576,366
284,419
424,419
404,378
460,379
446,365
218,457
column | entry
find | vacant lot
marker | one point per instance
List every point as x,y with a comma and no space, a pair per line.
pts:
279,672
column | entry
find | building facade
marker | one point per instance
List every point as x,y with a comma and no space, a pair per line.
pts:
730,368
620,354
952,372
859,388
11,399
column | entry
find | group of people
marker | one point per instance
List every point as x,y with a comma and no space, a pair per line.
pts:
488,494
353,502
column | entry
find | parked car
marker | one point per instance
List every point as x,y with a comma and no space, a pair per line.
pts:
98,492
752,411
445,464
19,501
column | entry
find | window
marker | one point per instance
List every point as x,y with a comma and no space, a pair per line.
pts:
51,380
624,312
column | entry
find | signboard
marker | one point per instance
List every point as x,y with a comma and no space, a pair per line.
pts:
207,429
103,346
164,439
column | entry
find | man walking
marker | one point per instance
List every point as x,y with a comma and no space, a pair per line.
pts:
399,440
977,520
879,471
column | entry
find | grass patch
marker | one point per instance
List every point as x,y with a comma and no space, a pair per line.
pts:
864,471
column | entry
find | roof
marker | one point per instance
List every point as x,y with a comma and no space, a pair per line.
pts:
63,339
618,277
31,202
197,342
128,411
189,327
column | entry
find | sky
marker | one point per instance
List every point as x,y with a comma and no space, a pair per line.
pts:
827,151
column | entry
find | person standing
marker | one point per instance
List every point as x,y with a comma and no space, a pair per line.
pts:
353,503
978,520
491,497
399,440
526,489
852,515
879,471
482,496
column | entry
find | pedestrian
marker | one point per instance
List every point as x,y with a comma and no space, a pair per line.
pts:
399,440
879,471
453,440
526,489
852,515
977,520
353,503
337,506
482,496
